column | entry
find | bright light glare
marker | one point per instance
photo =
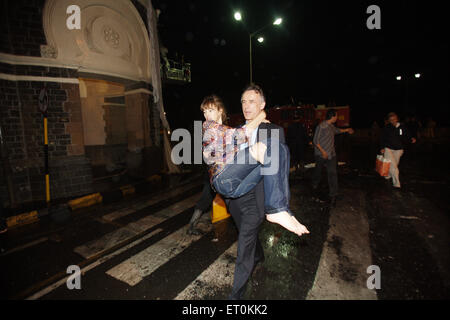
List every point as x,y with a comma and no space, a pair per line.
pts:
270,240
278,21
238,16
260,39
417,75
399,78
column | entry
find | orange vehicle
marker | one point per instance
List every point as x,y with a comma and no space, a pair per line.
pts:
306,114
286,115
343,115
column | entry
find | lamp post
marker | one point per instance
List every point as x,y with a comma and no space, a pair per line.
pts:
238,17
407,78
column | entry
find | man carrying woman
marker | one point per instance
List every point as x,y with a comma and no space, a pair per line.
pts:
234,171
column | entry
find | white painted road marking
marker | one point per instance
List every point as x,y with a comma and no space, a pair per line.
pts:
96,263
115,237
25,246
217,276
143,204
346,254
135,269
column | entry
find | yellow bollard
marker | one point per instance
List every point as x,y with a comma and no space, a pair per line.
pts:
128,189
22,219
219,211
85,201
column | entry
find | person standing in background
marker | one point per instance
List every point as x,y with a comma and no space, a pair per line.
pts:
391,144
325,153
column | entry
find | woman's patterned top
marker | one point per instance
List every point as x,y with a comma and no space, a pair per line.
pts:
220,145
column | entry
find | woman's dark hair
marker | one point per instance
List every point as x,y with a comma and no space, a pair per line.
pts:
214,101
330,114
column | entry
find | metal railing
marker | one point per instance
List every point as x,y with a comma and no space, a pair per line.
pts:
178,71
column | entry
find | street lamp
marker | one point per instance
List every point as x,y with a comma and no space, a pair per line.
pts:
276,22
407,78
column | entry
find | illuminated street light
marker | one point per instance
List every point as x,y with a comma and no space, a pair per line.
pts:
278,21
238,17
406,80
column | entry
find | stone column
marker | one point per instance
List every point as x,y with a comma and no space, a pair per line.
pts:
139,161
75,125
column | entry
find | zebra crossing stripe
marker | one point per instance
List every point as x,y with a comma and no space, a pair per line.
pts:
135,269
143,204
217,277
113,238
354,256
94,264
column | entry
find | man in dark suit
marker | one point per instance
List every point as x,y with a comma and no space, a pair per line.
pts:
248,210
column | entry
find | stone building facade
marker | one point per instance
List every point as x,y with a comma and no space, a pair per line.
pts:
98,80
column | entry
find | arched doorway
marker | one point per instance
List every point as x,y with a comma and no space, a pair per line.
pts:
111,52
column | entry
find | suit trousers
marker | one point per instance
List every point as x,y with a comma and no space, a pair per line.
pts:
248,214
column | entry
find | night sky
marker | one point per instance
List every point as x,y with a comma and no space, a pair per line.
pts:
322,53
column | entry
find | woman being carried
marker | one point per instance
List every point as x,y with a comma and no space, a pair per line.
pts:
234,172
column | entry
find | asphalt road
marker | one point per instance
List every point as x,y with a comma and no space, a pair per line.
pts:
138,249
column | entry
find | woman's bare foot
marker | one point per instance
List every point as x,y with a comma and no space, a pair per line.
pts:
303,229
285,220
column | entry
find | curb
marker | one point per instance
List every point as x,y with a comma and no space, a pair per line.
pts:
83,202
22,219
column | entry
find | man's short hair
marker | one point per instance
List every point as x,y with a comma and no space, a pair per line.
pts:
330,114
391,114
256,88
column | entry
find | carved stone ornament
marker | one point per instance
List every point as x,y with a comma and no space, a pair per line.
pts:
48,51
111,37
112,40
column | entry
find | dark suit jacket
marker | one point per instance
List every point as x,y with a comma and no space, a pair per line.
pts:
269,127
258,191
